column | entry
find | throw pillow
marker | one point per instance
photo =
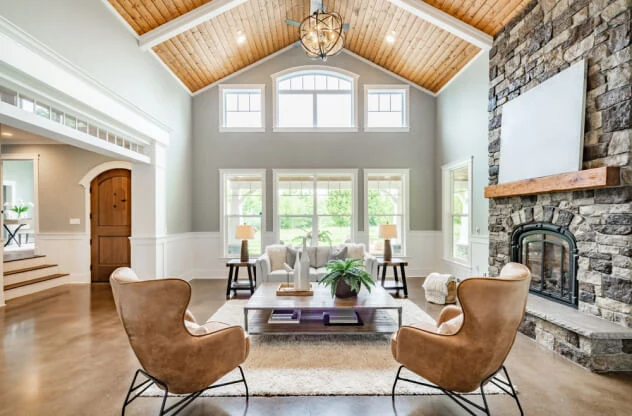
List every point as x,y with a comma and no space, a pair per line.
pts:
276,253
452,326
290,256
318,256
355,251
340,254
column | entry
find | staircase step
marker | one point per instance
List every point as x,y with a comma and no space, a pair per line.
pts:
24,263
33,281
29,269
11,257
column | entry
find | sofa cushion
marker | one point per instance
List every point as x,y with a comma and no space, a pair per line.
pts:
290,256
355,251
276,253
318,256
338,254
317,273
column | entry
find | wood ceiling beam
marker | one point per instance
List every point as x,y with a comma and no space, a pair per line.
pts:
446,22
185,22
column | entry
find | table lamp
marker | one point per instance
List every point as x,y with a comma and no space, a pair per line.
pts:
387,232
244,233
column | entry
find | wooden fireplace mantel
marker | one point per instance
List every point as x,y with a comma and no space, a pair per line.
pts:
572,181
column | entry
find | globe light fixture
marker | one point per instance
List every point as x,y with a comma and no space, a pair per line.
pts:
321,34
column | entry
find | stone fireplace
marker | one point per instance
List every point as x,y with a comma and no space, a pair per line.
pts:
577,242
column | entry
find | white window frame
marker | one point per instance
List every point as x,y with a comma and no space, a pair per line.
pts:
446,209
222,127
354,198
223,173
405,173
306,69
406,108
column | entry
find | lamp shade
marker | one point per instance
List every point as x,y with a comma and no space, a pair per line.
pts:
387,231
245,232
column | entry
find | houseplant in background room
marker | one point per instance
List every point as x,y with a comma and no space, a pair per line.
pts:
345,278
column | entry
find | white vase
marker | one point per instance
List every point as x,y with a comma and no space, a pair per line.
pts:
304,269
297,272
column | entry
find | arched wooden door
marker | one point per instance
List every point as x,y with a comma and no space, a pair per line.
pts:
111,222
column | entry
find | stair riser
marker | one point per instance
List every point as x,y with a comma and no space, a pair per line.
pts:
33,274
36,287
21,264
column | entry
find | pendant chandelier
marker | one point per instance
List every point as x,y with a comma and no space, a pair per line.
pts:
321,34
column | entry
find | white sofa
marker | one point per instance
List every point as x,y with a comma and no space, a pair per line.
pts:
271,266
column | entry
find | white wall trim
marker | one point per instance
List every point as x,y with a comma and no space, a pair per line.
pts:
446,22
461,71
103,167
28,55
386,71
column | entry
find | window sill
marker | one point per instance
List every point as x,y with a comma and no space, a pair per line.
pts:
315,130
387,129
242,129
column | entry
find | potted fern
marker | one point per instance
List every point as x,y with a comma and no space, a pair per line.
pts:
346,277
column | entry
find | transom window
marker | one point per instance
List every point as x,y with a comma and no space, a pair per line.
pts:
386,108
316,205
243,202
241,108
315,99
386,203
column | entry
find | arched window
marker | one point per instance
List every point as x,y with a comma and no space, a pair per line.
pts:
314,99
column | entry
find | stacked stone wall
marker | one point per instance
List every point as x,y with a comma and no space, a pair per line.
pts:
546,38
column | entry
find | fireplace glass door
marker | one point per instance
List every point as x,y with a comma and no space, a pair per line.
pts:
551,257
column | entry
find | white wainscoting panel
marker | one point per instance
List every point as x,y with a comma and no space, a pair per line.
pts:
71,251
423,252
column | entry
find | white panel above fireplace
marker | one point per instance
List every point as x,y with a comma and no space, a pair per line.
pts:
543,129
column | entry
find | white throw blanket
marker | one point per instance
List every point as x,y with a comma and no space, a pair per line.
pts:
436,287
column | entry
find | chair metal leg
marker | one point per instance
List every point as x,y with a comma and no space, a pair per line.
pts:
179,405
243,378
463,401
395,383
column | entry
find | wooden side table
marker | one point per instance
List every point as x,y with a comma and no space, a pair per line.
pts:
395,263
233,276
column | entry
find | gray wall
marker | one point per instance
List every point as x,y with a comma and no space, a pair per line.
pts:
61,167
90,36
462,133
213,150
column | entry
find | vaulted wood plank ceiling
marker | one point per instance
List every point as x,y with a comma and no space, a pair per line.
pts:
422,53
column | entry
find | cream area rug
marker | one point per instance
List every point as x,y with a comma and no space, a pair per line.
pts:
319,365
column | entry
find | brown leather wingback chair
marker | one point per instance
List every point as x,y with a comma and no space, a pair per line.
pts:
176,354
469,344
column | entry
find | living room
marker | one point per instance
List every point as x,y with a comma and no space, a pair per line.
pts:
234,147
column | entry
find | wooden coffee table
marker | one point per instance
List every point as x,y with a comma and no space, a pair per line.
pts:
371,307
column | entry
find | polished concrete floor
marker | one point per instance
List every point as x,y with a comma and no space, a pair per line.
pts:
64,352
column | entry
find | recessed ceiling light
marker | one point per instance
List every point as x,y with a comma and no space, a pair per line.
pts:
241,38
7,134
390,38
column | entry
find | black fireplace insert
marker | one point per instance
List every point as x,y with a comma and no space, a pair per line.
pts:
550,252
